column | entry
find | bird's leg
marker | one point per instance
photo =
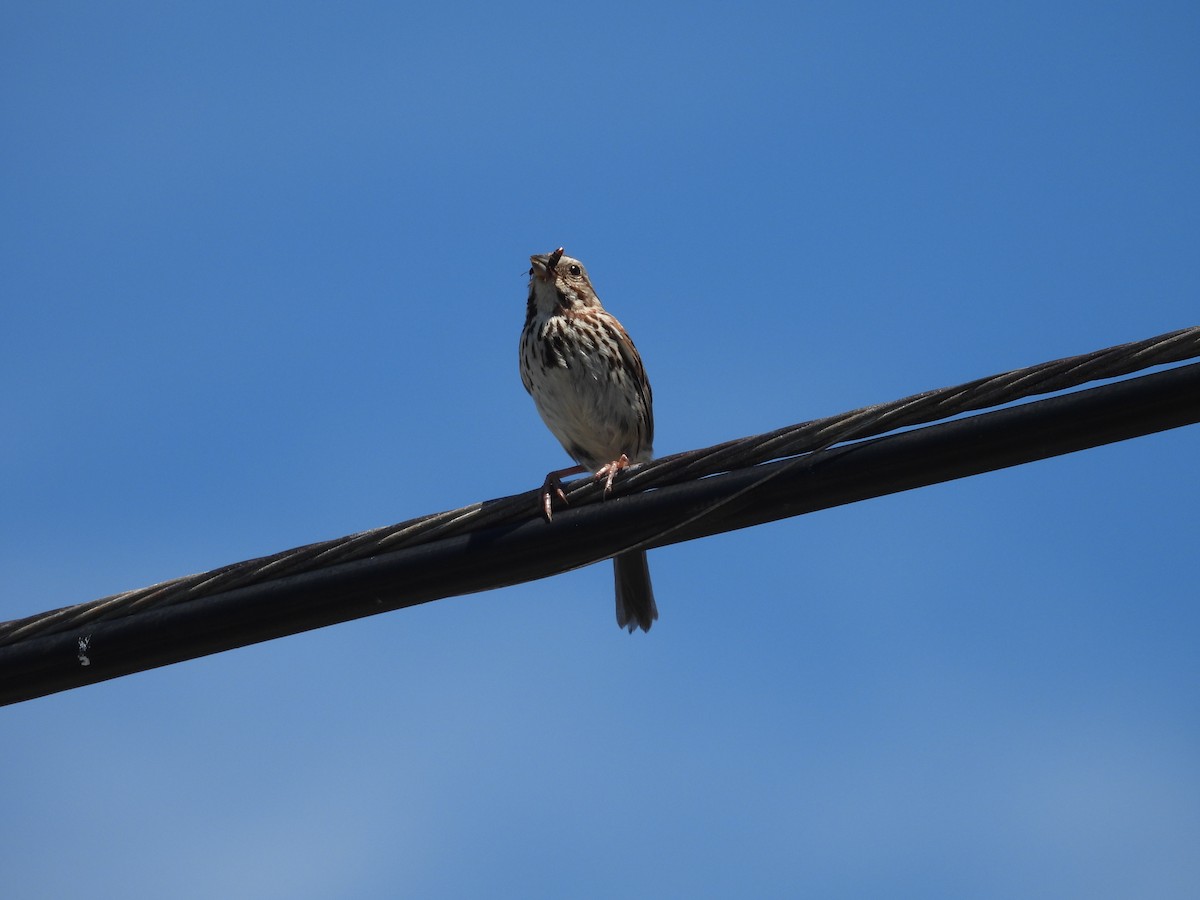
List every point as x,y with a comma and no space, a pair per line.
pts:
552,487
609,472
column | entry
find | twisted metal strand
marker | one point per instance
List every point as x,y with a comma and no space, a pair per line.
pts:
783,443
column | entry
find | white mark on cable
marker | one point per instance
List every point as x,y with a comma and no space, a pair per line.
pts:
84,643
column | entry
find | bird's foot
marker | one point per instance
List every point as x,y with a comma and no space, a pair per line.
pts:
609,471
552,487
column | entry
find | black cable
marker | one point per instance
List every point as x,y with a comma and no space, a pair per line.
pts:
504,541
796,439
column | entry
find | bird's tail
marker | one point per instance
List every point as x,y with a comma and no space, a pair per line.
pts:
635,596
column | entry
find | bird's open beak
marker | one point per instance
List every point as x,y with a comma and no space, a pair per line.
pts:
544,263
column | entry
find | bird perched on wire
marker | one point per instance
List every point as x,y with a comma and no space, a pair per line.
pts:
590,388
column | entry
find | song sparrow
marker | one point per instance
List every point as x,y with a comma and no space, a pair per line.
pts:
587,380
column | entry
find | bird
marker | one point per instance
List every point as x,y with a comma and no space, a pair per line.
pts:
588,383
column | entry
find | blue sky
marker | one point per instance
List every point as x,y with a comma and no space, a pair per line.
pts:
263,270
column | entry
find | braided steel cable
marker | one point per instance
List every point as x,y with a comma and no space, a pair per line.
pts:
796,445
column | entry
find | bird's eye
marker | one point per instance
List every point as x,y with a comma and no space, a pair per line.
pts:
575,270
